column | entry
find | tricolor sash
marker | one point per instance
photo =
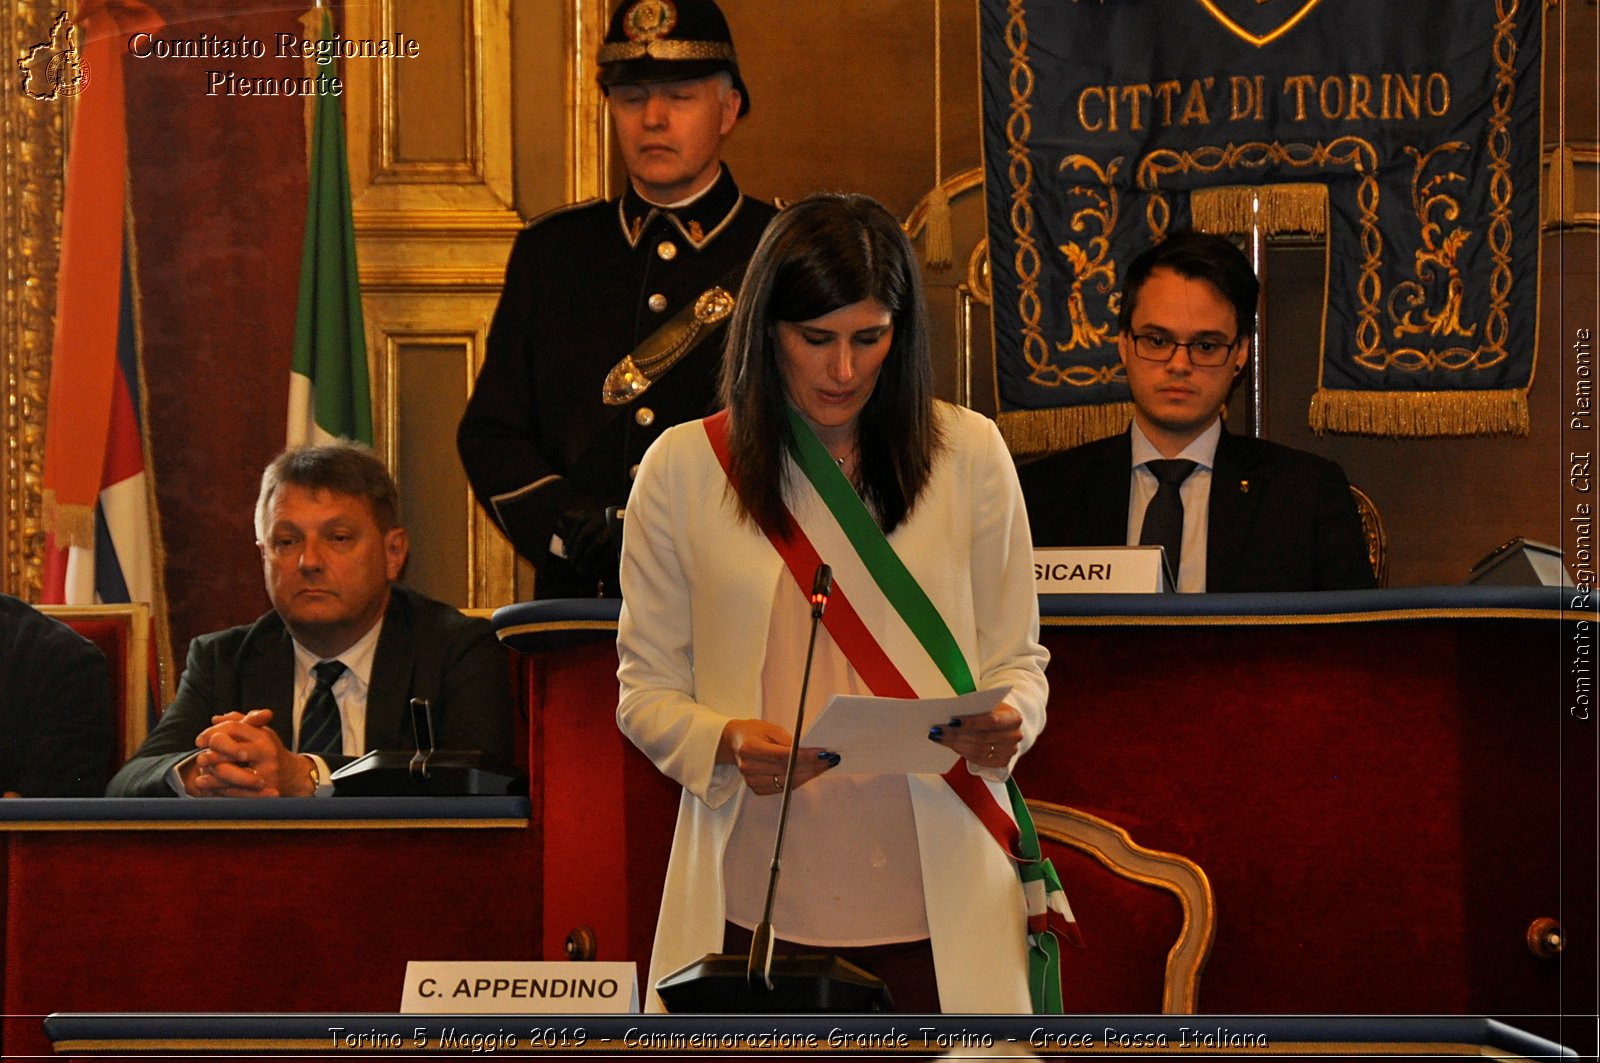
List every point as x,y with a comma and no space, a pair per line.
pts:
1049,916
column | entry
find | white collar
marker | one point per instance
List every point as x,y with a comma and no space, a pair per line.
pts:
357,658
680,204
1202,449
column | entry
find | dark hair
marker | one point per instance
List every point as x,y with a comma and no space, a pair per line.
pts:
343,467
1197,256
818,255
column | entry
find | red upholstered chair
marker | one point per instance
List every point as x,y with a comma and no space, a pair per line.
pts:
1147,917
123,634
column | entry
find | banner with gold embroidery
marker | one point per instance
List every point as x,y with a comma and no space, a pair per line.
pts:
1407,134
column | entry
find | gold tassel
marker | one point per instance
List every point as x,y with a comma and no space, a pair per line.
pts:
1561,188
72,524
940,247
1033,434
1420,414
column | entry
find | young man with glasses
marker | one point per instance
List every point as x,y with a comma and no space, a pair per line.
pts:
1237,513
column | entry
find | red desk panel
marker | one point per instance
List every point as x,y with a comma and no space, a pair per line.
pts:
255,916
1375,803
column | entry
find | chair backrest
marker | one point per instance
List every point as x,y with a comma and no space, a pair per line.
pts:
1377,539
122,632
1141,950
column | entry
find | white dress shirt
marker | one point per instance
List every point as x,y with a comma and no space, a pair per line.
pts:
350,690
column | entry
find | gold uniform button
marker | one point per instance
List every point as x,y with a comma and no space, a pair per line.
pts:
658,302
667,250
633,472
644,417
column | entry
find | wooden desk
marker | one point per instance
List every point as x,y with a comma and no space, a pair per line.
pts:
1373,787
289,905
1384,787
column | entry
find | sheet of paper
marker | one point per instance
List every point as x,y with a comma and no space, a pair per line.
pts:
889,736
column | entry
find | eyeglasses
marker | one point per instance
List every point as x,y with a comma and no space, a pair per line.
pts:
1156,348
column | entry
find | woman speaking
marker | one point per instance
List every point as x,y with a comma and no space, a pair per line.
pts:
832,448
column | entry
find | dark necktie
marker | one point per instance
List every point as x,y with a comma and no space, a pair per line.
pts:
320,729
1163,517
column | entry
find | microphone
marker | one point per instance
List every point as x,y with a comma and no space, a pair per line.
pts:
821,587
759,971
424,770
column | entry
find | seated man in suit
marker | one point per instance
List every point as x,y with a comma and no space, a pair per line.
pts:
267,709
1234,512
56,715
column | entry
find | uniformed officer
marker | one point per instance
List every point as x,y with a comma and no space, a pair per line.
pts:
609,327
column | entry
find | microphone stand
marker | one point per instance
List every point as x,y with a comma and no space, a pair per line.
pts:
720,982
760,969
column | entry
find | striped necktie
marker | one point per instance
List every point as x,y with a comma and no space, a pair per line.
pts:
320,729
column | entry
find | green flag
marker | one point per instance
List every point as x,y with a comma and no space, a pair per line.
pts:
329,394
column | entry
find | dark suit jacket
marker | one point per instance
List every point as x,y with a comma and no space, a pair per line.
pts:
426,650
1281,519
56,714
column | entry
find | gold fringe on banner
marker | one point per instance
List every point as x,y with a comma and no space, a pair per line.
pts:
1287,208
1035,433
1417,414
72,524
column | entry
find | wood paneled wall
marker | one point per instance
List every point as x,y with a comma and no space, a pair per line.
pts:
499,120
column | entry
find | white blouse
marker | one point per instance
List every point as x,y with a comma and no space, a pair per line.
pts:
850,874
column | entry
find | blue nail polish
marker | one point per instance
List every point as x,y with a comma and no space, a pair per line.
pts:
935,733
833,759
823,754
954,721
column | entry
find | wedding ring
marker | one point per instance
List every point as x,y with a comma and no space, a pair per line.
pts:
991,749
777,783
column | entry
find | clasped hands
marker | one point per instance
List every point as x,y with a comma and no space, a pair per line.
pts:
761,749
242,756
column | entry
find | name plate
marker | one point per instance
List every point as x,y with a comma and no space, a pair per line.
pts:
486,987
1100,570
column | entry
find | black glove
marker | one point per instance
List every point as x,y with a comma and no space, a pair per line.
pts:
586,535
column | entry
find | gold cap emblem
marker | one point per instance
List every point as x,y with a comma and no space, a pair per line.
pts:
649,20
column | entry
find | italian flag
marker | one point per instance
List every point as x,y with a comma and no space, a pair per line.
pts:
329,393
